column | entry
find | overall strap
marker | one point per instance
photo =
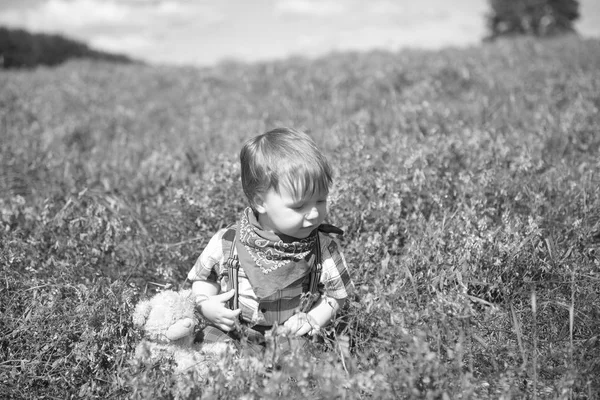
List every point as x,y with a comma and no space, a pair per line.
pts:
312,295
315,271
232,264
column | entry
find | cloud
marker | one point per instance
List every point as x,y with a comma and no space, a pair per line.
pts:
134,27
589,24
62,15
398,10
128,43
67,15
309,8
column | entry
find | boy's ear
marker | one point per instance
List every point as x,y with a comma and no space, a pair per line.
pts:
259,204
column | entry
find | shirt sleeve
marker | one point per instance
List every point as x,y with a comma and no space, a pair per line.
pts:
335,276
210,263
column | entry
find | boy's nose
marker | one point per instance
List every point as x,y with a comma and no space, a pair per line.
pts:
313,213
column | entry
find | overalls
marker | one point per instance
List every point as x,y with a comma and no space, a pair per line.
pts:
276,308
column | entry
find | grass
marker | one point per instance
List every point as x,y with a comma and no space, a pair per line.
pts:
467,183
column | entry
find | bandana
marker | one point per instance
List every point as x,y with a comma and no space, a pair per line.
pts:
270,262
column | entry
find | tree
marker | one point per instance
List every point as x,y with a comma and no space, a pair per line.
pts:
532,17
21,49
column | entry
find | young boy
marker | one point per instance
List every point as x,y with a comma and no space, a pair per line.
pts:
278,265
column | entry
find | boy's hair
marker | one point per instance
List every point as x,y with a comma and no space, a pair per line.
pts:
287,157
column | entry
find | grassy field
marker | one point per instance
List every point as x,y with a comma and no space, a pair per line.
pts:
467,182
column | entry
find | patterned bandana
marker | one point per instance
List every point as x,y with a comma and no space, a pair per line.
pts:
269,262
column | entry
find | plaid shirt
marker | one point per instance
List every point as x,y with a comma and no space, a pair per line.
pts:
335,279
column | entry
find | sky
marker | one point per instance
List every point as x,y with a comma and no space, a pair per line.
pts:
205,32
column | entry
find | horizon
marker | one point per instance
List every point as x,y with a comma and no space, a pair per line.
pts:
207,32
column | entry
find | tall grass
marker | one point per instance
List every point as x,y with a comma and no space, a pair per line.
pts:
468,184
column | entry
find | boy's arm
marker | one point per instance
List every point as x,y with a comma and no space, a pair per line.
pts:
205,288
207,293
320,315
212,305
338,287
324,311
206,269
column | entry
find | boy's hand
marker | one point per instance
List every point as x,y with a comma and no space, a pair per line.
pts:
214,310
300,324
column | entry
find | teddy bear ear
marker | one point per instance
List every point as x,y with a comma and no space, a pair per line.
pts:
142,310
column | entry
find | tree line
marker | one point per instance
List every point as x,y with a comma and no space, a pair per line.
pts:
531,17
22,49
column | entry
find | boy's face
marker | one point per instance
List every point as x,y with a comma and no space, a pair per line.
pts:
296,217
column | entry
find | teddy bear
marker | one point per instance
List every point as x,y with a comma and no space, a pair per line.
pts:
168,323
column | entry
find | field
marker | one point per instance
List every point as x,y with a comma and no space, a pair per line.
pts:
467,182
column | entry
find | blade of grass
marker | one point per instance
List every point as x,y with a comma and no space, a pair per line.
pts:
519,335
534,360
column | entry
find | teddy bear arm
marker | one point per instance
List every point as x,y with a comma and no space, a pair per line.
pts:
141,312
